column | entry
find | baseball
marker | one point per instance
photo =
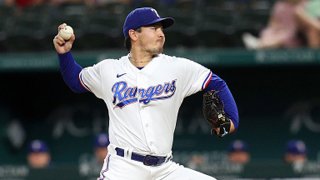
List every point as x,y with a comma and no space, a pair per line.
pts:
66,32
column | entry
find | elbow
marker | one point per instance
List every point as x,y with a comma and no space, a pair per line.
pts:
75,85
236,122
234,116
235,119
234,125
77,89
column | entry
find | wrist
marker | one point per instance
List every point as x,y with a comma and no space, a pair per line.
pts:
64,54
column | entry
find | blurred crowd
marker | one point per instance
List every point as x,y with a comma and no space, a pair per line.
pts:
236,159
39,155
26,3
299,26
98,23
253,24
238,153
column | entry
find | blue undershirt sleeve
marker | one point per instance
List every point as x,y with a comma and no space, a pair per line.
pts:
70,72
230,106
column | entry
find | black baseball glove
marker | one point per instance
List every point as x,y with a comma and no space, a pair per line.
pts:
213,111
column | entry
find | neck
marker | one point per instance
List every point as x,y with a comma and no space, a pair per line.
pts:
140,59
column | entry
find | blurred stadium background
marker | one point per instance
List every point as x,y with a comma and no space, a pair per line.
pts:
276,90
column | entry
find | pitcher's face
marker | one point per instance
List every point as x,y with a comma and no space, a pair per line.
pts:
151,39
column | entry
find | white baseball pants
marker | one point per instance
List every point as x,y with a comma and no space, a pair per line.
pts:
121,168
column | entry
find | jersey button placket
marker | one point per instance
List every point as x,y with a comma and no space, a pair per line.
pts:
149,130
142,111
145,115
146,124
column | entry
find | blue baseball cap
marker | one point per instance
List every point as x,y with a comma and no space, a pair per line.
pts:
37,146
296,147
143,17
238,146
101,140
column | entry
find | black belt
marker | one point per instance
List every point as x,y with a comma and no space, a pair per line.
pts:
147,160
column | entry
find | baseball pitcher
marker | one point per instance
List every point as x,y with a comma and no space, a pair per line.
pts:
143,92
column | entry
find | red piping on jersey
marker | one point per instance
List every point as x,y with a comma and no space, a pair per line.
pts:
82,83
207,81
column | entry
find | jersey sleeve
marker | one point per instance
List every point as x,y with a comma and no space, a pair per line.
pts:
90,78
196,77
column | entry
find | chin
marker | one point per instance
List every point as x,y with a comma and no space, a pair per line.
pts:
160,49
157,51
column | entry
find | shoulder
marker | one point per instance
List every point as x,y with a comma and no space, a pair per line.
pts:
179,62
174,59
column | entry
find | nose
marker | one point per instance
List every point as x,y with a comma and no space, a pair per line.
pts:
160,32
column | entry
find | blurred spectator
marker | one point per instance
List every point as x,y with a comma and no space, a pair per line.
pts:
309,15
238,152
38,154
295,152
197,161
283,29
101,147
90,164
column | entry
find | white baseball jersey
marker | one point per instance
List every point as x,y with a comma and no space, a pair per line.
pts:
143,104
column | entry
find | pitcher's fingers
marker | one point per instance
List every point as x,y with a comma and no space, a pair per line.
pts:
73,37
59,40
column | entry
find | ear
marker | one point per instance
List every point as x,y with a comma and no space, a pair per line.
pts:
133,34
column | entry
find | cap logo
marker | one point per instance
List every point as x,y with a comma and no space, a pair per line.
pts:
155,11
